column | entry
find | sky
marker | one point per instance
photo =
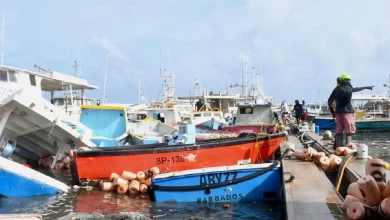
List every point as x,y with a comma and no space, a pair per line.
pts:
303,46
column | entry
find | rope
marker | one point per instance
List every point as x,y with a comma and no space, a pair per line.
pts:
343,164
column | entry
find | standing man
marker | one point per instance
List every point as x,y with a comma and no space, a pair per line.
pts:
285,111
304,111
298,112
340,101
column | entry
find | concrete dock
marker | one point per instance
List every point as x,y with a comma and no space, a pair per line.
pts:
311,195
355,168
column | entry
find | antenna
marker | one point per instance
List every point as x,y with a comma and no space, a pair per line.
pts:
105,81
242,75
39,68
2,42
75,68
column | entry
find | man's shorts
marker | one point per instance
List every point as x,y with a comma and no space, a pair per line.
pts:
345,123
304,116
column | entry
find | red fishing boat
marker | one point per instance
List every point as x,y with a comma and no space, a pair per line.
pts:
100,163
252,118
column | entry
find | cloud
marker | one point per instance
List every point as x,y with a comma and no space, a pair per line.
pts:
111,48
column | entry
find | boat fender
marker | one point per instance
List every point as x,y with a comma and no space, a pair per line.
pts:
143,188
108,186
386,192
353,190
319,155
120,181
357,210
351,146
376,168
122,189
134,187
334,162
148,182
140,176
127,175
383,209
349,199
324,162
113,175
371,193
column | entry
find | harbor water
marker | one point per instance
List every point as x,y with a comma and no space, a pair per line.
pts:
93,200
87,200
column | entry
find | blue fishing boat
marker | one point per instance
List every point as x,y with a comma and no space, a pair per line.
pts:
17,180
109,124
325,123
151,131
361,124
239,183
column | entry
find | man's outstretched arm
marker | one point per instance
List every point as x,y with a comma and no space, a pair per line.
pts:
358,89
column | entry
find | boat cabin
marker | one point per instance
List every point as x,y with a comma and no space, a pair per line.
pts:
38,84
109,124
254,114
198,117
165,115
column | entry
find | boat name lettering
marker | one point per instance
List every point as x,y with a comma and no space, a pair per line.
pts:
172,159
211,199
214,178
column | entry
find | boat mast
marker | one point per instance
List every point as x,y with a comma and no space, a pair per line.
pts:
242,76
246,83
105,81
2,42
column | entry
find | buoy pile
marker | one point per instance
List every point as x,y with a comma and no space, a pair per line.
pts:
330,163
369,197
214,136
46,162
344,151
129,182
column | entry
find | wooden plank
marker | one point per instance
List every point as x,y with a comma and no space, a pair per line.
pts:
311,195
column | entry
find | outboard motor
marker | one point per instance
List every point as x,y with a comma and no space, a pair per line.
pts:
7,147
186,135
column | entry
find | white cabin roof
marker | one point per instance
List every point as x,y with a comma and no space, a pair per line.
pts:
52,81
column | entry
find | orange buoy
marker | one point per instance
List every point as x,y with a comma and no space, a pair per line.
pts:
376,168
319,155
353,190
334,162
340,151
384,208
122,189
140,176
347,151
127,175
226,206
148,182
324,163
143,188
308,153
120,181
350,199
59,166
155,171
134,186
113,175
108,186
351,146
370,189
357,210
27,165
